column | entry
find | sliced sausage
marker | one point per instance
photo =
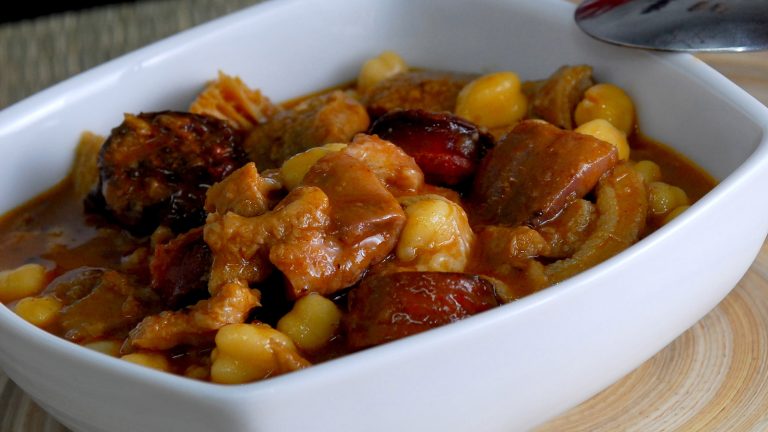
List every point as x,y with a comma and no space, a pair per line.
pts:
426,90
155,168
390,306
446,148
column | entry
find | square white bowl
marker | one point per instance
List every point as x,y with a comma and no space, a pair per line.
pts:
506,369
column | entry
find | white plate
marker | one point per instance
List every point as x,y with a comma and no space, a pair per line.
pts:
507,369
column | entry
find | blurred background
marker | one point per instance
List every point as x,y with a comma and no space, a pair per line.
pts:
21,11
42,43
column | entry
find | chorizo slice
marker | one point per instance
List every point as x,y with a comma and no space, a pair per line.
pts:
535,172
155,168
426,90
386,307
446,147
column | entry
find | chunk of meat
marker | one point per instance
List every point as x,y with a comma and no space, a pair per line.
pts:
447,148
180,269
567,232
426,90
366,221
535,172
386,307
396,170
622,206
156,167
322,236
100,304
508,254
329,118
197,325
241,244
244,192
558,96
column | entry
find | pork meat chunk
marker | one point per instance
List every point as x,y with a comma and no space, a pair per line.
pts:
535,172
322,237
329,118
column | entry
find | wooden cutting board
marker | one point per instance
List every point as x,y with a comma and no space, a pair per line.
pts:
713,378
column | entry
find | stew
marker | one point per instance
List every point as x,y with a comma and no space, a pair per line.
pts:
245,239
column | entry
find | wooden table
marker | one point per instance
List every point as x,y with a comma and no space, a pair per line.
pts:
713,378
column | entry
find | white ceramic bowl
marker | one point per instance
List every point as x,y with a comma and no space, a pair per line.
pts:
507,369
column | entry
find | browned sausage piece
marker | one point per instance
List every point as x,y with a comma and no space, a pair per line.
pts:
558,96
391,306
181,268
447,148
156,167
535,172
427,90
328,118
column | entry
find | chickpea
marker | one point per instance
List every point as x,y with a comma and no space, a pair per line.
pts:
250,352
674,213
40,311
85,170
663,198
312,323
603,130
648,170
436,235
294,169
150,360
24,281
197,372
108,347
607,102
493,100
377,69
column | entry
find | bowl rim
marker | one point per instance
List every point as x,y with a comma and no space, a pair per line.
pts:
26,111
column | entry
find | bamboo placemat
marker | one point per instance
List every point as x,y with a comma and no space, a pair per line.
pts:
713,378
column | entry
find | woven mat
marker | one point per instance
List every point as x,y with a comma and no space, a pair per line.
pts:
36,54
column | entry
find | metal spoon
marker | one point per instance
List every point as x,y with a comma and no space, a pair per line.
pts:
678,25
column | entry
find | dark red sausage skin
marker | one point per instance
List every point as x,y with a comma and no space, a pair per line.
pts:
447,148
155,168
391,306
181,268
